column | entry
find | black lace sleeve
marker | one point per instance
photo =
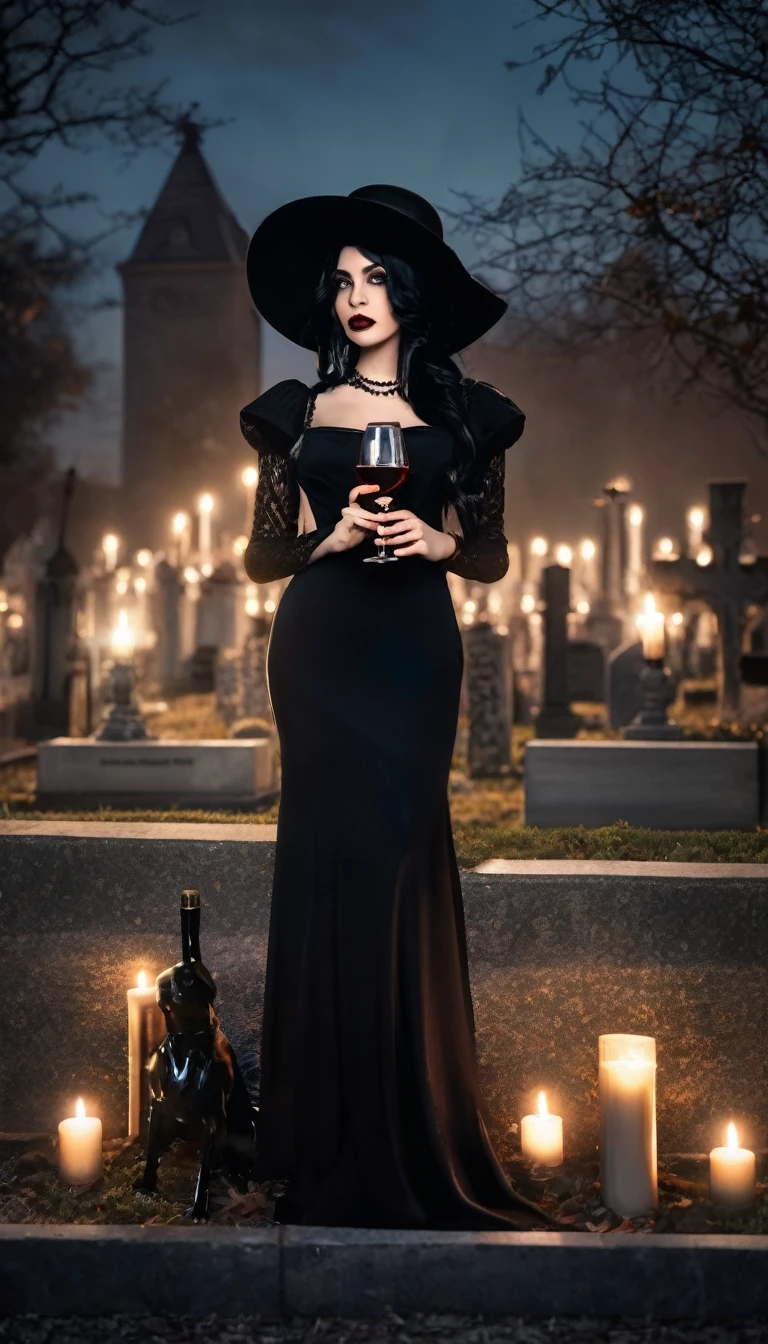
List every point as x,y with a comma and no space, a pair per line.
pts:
484,556
276,549
271,425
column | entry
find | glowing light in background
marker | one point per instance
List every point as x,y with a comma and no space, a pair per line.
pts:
122,637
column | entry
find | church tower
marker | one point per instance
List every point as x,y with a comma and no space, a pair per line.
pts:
191,353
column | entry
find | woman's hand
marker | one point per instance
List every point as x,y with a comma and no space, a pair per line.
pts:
355,522
409,535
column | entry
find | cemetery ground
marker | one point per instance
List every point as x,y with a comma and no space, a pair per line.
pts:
487,812
488,824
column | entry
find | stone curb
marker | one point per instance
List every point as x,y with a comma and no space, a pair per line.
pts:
93,1271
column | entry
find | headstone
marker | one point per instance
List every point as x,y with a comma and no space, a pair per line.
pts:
227,684
216,609
614,548
605,622
80,699
203,774
254,698
726,585
166,602
663,785
489,700
623,692
753,691
54,635
555,718
585,670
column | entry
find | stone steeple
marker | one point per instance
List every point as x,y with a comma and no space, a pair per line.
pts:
192,352
190,220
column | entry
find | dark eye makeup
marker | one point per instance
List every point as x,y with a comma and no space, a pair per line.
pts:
379,276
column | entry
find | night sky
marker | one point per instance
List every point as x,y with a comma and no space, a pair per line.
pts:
317,99
323,98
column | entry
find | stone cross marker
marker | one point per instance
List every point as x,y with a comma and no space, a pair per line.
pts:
555,716
726,585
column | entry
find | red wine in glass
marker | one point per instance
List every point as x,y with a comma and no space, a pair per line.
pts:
383,461
387,478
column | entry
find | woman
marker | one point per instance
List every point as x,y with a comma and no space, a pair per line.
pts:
369,1094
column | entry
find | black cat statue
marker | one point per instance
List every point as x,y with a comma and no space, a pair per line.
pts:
196,1089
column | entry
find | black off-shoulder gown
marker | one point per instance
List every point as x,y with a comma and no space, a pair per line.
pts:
369,1094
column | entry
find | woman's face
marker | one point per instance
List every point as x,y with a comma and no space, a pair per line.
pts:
362,302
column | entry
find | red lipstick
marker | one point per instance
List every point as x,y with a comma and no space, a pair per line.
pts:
361,323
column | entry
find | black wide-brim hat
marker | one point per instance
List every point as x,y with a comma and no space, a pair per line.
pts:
289,249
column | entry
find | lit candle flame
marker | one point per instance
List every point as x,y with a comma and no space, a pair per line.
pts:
542,1108
539,546
733,1138
180,523
588,550
122,637
650,604
142,980
205,503
80,1109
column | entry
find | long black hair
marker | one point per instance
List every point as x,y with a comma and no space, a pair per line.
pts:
431,380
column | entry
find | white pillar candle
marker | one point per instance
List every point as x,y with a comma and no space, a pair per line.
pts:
80,1154
628,1179
586,575
537,556
110,546
651,626
146,1029
635,566
695,520
205,509
541,1135
180,539
732,1173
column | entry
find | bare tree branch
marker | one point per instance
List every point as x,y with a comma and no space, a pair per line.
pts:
654,229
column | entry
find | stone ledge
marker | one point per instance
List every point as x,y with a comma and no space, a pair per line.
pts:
559,951
94,1271
142,830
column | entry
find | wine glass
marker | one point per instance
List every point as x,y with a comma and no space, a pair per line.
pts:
382,460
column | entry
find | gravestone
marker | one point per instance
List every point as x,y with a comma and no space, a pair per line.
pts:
726,585
166,609
585,670
226,680
80,696
555,718
217,609
48,710
254,699
623,692
489,696
753,691
605,622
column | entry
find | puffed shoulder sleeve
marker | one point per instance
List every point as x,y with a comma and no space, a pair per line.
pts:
272,425
273,422
496,422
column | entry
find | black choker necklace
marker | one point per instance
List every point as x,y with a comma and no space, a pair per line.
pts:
373,385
